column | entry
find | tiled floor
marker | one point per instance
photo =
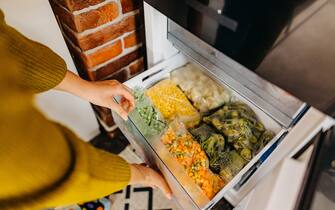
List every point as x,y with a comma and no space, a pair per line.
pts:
309,46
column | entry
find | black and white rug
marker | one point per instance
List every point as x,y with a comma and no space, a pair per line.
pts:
131,197
140,198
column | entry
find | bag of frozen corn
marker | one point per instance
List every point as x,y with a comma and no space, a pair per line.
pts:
172,103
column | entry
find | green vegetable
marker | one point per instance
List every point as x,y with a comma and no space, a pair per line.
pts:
227,164
202,133
235,164
145,116
219,161
210,141
213,145
263,140
239,124
246,154
242,130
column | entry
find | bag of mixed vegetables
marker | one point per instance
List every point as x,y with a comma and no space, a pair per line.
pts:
189,154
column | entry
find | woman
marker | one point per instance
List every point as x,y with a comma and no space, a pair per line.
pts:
42,163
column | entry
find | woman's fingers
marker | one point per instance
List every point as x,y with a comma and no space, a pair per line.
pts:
152,186
146,176
125,104
161,184
118,109
165,188
127,94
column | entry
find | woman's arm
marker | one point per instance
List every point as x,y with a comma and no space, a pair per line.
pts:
99,93
146,176
40,164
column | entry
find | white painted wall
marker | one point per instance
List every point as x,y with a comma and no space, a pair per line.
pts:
158,46
35,19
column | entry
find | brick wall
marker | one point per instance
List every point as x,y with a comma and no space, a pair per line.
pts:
105,38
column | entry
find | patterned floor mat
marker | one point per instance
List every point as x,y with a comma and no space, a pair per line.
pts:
131,197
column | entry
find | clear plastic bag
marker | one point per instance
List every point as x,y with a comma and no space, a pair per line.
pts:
145,116
189,154
210,140
172,103
241,127
204,93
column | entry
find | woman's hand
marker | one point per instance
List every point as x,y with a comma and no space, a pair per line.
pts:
100,93
146,176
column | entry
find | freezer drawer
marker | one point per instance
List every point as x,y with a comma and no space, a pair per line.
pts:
188,194
277,103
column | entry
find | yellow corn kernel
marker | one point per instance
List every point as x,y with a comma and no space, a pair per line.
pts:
171,102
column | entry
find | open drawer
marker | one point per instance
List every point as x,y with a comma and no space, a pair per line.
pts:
292,120
188,194
276,109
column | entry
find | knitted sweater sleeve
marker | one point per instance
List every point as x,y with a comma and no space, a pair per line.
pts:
43,164
42,69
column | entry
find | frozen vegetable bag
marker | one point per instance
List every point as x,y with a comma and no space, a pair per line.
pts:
172,103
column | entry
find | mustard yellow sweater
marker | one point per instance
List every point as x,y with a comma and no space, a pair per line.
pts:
43,164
